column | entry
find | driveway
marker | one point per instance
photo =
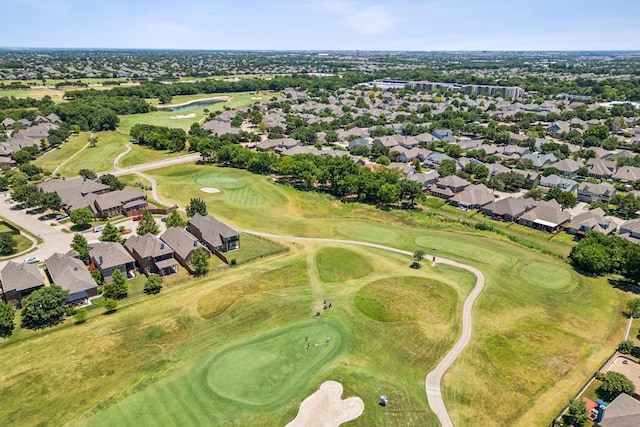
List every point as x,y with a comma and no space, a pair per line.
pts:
55,240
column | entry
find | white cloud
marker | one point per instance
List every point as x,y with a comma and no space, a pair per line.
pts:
364,19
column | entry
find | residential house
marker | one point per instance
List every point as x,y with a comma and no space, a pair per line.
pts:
554,181
472,197
19,280
360,142
152,254
558,128
434,159
183,244
540,161
627,174
216,235
424,178
589,193
508,209
546,216
54,118
601,169
119,202
630,230
568,167
448,186
110,256
73,191
281,143
444,135
8,123
593,220
624,411
71,275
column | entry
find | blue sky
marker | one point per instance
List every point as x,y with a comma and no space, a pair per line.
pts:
324,24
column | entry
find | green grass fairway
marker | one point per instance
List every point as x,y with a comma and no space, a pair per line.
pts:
255,247
51,159
407,299
547,275
369,233
339,265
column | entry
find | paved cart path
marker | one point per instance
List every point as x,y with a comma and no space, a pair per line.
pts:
434,378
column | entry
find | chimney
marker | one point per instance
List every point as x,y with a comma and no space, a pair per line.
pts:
100,260
162,246
75,268
195,243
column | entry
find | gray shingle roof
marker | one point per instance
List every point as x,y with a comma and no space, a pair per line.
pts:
148,246
113,254
18,277
181,241
69,273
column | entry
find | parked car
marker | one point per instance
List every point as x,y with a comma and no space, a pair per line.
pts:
137,217
31,260
98,228
163,219
61,216
415,264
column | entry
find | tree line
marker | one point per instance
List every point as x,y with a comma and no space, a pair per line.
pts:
599,254
159,137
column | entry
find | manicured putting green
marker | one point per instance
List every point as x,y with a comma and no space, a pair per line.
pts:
546,275
337,265
369,232
219,180
259,375
466,250
272,365
407,299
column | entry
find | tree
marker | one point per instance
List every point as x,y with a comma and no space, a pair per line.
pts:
93,140
564,198
625,347
87,174
633,307
44,307
79,244
118,288
110,305
7,316
112,181
454,151
195,206
50,201
110,234
147,224
535,194
175,220
577,413
410,190
97,276
592,258
418,255
153,284
383,160
80,317
7,244
613,384
388,194
81,217
200,261
447,167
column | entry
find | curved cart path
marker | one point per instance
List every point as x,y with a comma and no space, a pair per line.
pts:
434,378
121,155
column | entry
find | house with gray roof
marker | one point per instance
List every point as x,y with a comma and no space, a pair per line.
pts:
589,193
446,187
18,281
183,244
110,256
540,160
546,216
627,174
601,169
568,167
472,197
424,178
624,411
119,202
216,235
8,123
554,181
152,254
630,231
593,220
508,209
71,275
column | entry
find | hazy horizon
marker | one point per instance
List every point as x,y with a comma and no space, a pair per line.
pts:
331,25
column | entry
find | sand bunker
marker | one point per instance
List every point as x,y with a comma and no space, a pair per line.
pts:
184,116
209,190
325,408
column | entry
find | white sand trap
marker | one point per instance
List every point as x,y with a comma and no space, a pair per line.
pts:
209,190
256,97
326,408
184,116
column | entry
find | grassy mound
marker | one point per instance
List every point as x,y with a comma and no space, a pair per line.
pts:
338,265
406,299
546,275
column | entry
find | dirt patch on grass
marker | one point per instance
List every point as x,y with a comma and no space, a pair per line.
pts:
326,408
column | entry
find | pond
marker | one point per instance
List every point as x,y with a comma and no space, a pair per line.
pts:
194,105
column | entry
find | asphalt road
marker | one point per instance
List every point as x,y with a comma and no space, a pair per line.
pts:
434,378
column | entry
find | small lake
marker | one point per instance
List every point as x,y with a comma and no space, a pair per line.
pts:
195,105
